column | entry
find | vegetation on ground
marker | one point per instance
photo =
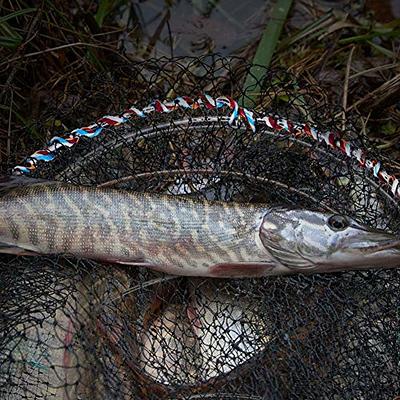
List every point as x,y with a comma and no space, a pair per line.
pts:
351,49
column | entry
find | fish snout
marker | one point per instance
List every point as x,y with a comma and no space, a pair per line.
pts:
370,242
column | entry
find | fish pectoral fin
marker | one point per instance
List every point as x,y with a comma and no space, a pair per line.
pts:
133,263
166,269
15,250
240,270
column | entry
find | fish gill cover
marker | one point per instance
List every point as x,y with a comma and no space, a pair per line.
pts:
79,329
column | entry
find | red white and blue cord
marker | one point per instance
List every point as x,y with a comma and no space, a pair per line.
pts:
237,115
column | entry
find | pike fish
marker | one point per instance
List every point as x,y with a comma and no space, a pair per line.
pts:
184,236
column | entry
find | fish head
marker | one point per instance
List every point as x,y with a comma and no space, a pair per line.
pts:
322,242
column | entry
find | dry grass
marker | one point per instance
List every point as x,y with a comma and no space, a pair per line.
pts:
47,46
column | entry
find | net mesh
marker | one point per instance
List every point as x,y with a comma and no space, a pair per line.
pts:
78,329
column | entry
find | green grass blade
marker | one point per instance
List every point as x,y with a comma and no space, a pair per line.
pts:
8,36
381,49
105,8
10,41
16,14
265,51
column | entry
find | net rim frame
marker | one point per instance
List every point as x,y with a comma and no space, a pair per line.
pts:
238,116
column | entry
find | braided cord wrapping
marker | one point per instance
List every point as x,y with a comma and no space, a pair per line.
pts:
238,114
91,131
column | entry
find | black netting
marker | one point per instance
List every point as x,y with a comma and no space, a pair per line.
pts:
79,329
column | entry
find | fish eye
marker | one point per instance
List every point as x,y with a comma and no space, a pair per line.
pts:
338,222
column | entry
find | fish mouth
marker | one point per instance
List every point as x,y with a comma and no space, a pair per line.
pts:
378,247
373,249
365,250
372,241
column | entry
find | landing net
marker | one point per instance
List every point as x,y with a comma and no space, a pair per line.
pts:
77,329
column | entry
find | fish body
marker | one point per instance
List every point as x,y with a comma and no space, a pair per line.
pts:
176,235
183,236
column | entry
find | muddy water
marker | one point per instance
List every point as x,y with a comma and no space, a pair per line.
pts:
196,27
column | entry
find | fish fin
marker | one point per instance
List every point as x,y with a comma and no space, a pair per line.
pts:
138,263
166,269
240,270
133,263
15,250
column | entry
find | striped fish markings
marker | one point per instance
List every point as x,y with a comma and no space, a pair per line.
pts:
184,236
